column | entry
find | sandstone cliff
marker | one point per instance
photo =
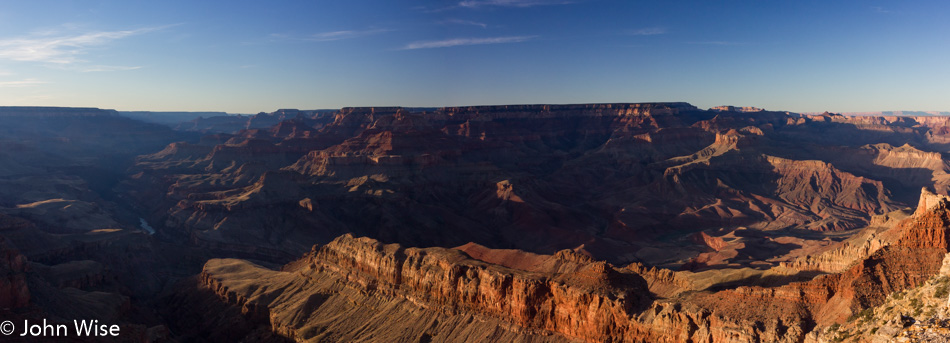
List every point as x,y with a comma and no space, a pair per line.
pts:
359,289
512,294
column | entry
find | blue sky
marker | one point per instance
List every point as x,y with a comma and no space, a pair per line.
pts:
251,56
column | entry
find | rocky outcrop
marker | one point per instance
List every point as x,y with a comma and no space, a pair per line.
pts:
917,314
574,296
476,301
581,304
929,201
714,243
591,302
830,193
840,257
915,256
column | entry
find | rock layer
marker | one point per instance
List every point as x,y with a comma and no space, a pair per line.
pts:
568,294
620,179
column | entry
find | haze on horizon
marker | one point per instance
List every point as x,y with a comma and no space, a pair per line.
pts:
246,56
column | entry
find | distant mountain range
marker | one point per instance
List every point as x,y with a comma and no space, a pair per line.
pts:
170,118
894,113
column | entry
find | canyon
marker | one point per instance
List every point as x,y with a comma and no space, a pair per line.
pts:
649,222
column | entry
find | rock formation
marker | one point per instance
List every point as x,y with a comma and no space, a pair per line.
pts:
518,295
655,222
639,171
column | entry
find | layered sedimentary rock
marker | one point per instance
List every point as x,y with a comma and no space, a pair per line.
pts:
568,296
448,295
652,222
615,178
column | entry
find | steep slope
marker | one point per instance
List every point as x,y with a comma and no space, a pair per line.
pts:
519,295
360,290
914,315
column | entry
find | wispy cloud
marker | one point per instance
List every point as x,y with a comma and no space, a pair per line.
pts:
465,41
343,34
464,22
64,50
647,31
512,3
21,83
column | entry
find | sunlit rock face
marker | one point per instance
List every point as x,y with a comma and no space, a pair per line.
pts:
491,294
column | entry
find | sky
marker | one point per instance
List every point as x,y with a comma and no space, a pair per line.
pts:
252,56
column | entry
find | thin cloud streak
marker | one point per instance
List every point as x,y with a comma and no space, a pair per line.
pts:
465,41
649,31
343,34
464,22
512,3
